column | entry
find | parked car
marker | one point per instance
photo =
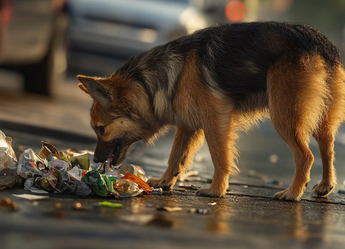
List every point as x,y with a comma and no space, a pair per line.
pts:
32,38
122,28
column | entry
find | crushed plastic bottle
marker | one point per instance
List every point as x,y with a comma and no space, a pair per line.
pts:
8,158
124,186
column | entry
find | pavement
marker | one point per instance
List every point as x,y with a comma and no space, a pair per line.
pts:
247,217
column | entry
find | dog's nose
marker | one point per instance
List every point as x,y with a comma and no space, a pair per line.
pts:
95,159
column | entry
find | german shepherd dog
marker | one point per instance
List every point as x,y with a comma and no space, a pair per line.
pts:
216,82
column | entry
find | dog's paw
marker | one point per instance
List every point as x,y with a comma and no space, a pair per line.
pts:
324,188
161,183
288,195
210,192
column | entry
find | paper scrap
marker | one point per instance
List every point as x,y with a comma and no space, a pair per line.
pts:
31,197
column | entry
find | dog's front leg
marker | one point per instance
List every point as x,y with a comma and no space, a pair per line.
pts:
220,140
186,144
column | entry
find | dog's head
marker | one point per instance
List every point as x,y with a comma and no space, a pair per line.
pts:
120,115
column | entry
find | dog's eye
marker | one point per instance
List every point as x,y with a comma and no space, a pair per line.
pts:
100,129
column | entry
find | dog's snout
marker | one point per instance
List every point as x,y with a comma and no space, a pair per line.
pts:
95,159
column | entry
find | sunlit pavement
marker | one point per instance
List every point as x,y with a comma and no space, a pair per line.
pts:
247,217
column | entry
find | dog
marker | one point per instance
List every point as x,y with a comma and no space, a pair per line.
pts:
219,81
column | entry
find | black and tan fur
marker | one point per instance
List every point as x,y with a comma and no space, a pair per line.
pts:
221,80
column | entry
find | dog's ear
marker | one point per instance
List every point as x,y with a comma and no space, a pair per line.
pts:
83,88
95,89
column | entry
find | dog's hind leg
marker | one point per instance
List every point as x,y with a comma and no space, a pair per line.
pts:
325,135
297,93
186,144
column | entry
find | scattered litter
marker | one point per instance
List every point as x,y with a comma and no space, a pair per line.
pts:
69,172
169,209
157,191
31,197
184,176
189,187
8,204
212,203
341,191
110,204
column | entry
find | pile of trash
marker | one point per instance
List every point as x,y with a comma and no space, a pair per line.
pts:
68,172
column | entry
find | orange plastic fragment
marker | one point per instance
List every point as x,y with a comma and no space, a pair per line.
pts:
141,183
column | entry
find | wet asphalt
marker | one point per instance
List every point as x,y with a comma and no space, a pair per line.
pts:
247,217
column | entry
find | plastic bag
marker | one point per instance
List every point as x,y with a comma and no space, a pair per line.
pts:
8,158
77,173
30,164
134,170
102,185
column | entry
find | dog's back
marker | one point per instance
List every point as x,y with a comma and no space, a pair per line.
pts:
235,58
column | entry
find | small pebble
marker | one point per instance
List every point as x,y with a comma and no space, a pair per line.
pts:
202,211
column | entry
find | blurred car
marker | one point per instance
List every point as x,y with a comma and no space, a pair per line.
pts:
32,41
122,28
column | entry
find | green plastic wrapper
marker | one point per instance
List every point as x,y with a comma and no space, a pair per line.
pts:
83,161
102,185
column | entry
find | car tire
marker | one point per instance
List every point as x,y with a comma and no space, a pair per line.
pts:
43,76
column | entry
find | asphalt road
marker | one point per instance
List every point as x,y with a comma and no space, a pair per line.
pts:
247,217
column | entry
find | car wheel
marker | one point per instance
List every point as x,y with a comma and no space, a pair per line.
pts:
43,77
